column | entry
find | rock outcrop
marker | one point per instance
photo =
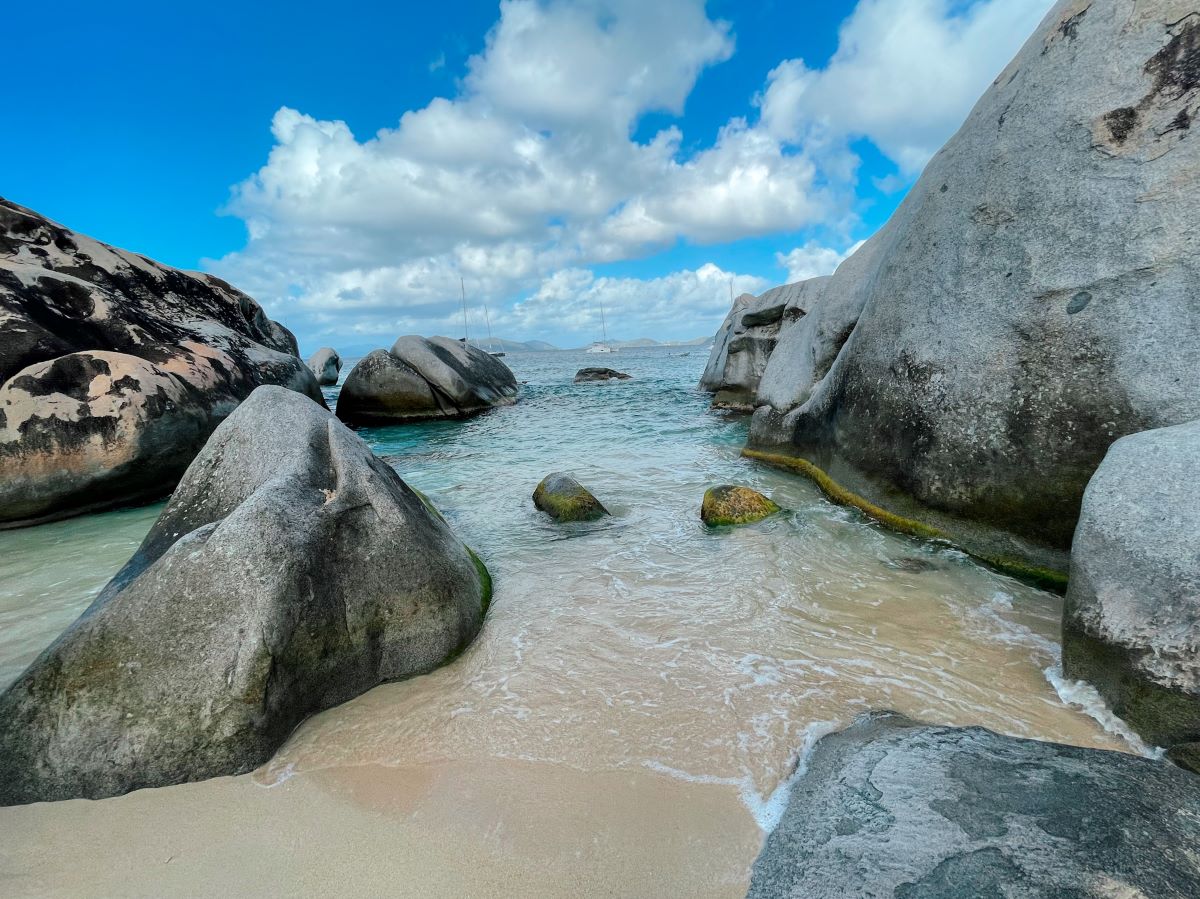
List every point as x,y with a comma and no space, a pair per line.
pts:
564,499
585,375
1131,623
732,505
970,365
291,570
890,807
115,369
420,379
326,365
746,340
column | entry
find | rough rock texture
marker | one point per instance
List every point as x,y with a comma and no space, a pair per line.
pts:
291,570
893,808
1131,623
727,504
114,369
1033,298
420,378
745,341
326,365
600,374
564,499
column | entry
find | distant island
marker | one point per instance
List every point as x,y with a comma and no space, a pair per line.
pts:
503,345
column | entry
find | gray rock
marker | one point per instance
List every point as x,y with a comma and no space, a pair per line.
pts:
1131,623
893,808
600,374
420,378
743,345
564,499
291,570
115,369
1010,322
326,365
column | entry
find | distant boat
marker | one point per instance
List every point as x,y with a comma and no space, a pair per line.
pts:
601,346
487,318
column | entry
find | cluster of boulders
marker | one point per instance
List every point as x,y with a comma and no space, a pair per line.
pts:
973,372
114,369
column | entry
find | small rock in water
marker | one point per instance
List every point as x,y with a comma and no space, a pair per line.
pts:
600,374
911,563
564,499
728,504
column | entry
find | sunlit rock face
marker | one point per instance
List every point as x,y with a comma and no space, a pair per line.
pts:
1033,298
114,369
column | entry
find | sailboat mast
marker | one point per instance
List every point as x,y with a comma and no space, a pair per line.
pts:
463,285
487,318
603,327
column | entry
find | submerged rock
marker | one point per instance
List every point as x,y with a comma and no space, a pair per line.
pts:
981,352
564,499
728,504
746,340
891,807
325,365
600,374
115,369
1131,623
422,378
291,570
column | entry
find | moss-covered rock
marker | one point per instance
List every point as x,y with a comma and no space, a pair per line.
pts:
564,499
729,504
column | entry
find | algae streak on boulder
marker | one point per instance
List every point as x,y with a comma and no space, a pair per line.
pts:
114,369
1032,300
291,571
1131,624
419,379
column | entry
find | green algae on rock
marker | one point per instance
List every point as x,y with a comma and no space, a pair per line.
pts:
733,505
564,499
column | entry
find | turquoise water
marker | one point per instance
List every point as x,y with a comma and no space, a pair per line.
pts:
644,641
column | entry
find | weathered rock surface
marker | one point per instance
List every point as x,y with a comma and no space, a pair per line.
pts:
600,374
731,505
291,570
564,499
1131,623
984,349
422,378
745,341
115,369
326,365
890,807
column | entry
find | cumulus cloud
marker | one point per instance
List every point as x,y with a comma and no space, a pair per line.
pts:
532,172
812,260
905,74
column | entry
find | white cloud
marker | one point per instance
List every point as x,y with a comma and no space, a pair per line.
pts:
905,75
812,260
531,173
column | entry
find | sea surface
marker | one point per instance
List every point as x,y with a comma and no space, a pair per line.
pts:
626,723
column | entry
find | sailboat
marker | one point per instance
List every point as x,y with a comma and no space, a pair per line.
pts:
487,318
602,345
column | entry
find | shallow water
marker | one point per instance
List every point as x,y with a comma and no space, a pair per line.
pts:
641,689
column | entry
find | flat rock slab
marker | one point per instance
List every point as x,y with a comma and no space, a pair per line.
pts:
600,374
890,807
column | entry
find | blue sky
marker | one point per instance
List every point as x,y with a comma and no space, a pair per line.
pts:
347,165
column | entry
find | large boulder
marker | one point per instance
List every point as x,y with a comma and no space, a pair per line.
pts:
291,570
745,341
1031,301
1131,623
890,807
326,365
422,378
115,369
